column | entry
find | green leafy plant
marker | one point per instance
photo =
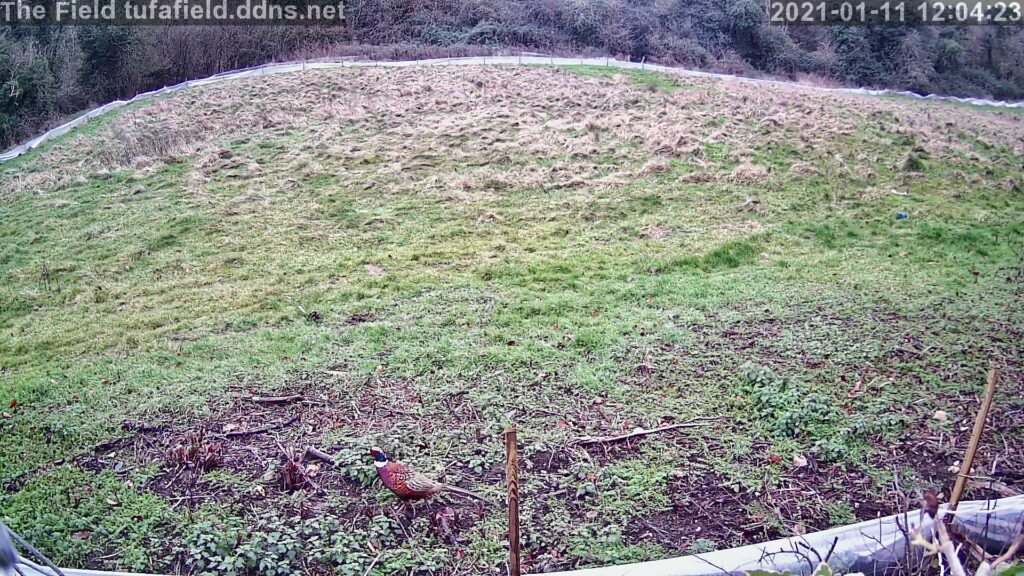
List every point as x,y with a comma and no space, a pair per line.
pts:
789,409
356,465
272,544
702,546
783,404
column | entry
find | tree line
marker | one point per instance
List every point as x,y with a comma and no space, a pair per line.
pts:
48,73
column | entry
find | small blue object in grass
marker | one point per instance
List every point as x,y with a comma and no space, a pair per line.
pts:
901,216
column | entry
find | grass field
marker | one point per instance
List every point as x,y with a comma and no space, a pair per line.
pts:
427,255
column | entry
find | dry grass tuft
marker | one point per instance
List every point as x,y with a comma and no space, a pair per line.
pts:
803,169
699,178
754,205
747,173
654,166
654,233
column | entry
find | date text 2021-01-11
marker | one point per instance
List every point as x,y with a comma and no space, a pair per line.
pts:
923,13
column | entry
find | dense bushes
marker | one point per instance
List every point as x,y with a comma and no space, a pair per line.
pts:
46,73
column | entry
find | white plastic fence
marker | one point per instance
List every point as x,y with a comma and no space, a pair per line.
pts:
525,58
872,548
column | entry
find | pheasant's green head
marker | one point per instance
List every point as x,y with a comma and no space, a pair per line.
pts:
378,455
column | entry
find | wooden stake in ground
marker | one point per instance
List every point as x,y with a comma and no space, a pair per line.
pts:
512,479
972,447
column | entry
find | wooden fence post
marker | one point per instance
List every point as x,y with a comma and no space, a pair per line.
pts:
512,479
972,446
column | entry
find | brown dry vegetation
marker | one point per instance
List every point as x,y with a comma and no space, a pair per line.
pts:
500,130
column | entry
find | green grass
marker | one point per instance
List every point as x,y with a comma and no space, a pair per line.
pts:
651,80
160,290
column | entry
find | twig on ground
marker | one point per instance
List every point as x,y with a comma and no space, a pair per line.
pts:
175,477
262,430
587,440
276,399
131,426
712,564
374,563
552,494
977,551
995,486
654,528
803,544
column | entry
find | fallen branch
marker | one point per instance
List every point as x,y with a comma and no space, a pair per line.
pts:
131,426
276,399
585,440
319,455
263,430
554,494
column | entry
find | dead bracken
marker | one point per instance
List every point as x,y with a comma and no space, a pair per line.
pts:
195,451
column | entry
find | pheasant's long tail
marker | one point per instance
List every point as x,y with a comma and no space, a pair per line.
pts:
466,493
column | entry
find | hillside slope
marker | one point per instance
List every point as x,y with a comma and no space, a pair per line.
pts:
426,254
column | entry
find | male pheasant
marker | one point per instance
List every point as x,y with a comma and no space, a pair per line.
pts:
409,484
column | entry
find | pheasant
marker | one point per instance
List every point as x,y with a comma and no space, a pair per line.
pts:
409,484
